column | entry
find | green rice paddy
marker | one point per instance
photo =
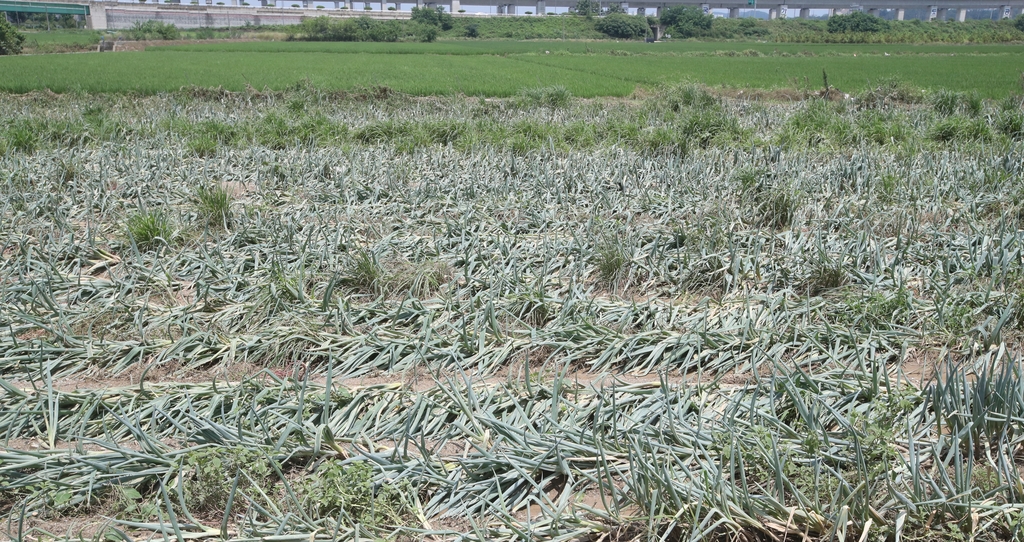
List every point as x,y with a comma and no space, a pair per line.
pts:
587,69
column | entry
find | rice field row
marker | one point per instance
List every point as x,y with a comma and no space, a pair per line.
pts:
314,316
992,71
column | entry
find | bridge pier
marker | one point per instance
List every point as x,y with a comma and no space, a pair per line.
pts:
734,13
941,15
542,8
805,13
900,13
97,19
773,13
961,14
873,11
1005,12
454,6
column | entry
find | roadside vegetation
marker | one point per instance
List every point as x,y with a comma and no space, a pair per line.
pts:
583,23
317,315
690,22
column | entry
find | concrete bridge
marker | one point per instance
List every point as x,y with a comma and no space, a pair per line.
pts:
117,15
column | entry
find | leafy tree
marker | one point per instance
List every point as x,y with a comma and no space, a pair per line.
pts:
620,25
10,38
858,21
686,21
472,30
615,8
1019,22
433,16
587,7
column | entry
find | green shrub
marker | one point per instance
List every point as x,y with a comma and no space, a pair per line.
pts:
209,473
526,28
325,28
205,33
425,32
10,39
149,229
338,489
153,30
1019,22
858,21
620,25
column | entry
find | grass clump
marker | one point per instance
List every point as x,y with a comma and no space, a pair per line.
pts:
365,273
678,98
611,262
420,279
707,127
884,128
778,207
819,122
1010,119
826,275
21,137
889,92
555,97
771,204
695,114
959,128
213,206
947,102
202,146
149,229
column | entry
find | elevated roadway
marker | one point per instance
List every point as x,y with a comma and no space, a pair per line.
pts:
116,15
